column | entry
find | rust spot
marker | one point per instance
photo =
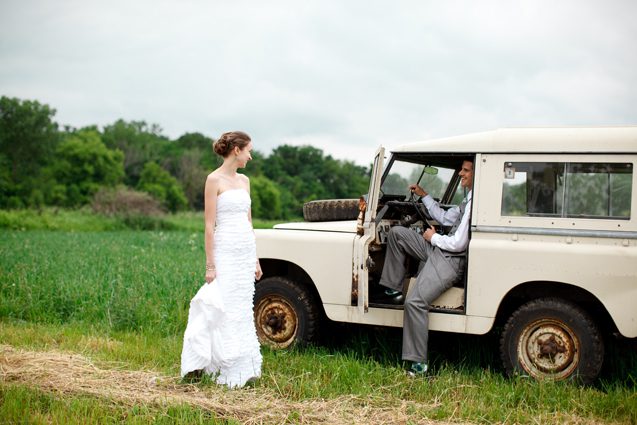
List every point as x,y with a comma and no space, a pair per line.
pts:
276,322
354,290
550,347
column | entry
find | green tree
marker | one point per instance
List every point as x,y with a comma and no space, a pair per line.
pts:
141,143
195,141
81,166
210,160
190,158
161,185
266,198
28,137
345,179
303,173
256,166
192,177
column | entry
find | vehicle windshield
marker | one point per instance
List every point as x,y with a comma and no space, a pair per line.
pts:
434,179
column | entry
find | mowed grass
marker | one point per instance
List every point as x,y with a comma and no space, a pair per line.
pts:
20,404
456,391
123,297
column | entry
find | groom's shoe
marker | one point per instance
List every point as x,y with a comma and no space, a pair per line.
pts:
392,296
417,370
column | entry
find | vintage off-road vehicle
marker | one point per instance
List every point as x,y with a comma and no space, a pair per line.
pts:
552,255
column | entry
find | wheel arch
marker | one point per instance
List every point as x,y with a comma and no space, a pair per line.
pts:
276,267
528,291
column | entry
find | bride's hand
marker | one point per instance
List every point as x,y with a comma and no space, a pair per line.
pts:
258,273
210,275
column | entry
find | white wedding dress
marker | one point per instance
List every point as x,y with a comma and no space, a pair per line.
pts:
220,337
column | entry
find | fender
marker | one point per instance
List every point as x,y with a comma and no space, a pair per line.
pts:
325,256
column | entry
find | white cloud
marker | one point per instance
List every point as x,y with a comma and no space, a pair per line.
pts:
343,76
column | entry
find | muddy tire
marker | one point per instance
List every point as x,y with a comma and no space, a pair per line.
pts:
552,339
284,313
331,210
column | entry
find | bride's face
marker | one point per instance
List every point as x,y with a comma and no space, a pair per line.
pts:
244,155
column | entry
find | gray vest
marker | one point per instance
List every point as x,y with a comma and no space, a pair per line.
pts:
456,224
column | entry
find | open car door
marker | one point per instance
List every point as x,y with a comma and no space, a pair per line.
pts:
360,275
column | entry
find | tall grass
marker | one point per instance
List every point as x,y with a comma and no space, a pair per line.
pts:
124,280
123,296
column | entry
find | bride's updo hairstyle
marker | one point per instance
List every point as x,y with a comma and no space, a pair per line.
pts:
230,140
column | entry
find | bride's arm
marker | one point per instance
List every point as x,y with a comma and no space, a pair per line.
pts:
210,216
258,272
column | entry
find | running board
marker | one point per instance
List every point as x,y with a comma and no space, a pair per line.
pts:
452,301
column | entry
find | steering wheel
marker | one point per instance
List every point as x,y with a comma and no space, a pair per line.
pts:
420,208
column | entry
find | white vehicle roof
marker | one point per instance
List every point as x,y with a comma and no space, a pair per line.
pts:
534,140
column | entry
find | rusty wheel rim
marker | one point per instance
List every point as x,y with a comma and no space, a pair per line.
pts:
548,349
276,322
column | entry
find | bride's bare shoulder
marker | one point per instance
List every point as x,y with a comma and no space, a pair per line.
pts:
213,177
213,182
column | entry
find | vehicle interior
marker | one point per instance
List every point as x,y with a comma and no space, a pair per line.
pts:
398,206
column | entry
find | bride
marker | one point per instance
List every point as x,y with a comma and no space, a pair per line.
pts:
220,337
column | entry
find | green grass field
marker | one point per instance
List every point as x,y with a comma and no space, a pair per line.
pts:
121,297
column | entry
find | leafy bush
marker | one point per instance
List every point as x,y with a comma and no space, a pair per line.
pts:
122,201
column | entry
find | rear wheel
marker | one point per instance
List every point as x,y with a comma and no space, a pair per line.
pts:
553,339
284,313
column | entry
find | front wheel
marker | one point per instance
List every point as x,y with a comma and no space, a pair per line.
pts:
553,339
284,313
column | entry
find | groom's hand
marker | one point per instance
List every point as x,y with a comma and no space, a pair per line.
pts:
429,233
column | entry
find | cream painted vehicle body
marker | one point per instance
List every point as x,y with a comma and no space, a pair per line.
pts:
552,253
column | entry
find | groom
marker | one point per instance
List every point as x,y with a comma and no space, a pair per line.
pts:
444,258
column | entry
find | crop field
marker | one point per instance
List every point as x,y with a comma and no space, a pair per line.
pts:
91,325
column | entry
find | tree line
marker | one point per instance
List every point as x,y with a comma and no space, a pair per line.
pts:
42,164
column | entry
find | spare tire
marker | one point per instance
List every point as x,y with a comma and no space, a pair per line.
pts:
331,210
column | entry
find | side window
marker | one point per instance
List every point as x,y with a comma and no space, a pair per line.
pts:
552,189
598,190
533,189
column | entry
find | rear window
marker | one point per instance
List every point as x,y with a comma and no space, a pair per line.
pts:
559,189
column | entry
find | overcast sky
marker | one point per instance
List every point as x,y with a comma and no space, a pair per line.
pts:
344,76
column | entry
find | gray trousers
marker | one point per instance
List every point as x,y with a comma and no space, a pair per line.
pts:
438,274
